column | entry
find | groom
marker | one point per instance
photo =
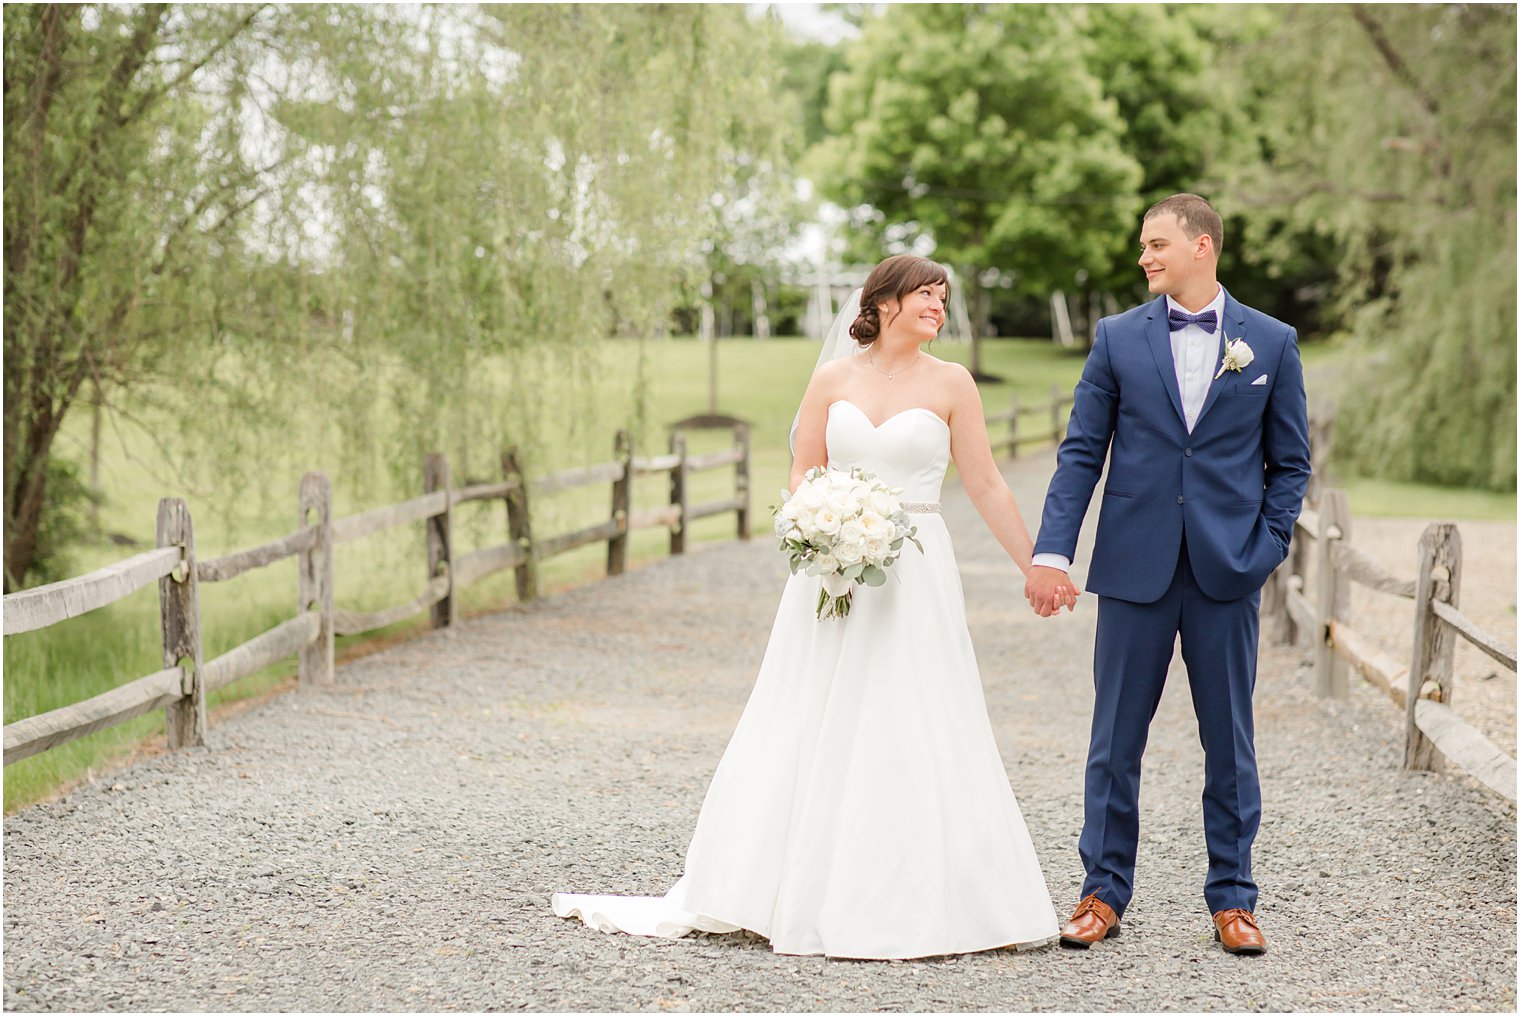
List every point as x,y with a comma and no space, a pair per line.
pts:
1202,400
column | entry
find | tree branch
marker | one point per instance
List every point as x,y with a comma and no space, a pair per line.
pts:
152,95
1391,57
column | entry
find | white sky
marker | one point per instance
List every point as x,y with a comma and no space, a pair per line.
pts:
810,21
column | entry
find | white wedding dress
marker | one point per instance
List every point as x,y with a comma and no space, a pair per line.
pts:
862,809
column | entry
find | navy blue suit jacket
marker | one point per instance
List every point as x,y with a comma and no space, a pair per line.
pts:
1235,484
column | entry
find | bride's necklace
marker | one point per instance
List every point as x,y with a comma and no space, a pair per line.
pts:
893,373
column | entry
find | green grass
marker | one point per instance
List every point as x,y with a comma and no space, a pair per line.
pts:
1390,498
759,381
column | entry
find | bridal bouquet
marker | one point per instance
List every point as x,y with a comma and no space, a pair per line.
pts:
846,528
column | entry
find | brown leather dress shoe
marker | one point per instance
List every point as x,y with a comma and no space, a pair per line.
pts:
1092,921
1239,933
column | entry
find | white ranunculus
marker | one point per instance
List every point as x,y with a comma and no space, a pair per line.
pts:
826,521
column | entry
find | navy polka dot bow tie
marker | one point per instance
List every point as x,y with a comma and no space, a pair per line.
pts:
1208,320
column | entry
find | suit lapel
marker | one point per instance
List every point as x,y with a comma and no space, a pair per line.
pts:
1159,335
1234,327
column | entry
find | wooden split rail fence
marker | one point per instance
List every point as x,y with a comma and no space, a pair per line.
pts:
185,680
1295,613
1051,411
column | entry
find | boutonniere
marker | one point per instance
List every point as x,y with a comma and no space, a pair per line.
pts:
1237,355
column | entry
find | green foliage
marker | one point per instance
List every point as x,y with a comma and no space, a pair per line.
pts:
217,212
983,129
1391,132
65,520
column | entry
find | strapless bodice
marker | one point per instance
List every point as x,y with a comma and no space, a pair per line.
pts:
910,449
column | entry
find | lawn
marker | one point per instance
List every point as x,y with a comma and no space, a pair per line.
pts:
758,381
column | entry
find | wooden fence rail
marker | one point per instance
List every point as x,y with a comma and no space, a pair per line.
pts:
1422,689
185,681
1050,412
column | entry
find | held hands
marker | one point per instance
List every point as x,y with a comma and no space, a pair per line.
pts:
1050,589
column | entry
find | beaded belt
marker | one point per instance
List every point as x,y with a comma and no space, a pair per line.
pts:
921,507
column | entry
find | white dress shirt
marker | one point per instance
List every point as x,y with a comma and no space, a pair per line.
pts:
1195,353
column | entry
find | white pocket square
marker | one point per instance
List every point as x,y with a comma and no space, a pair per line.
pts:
1260,381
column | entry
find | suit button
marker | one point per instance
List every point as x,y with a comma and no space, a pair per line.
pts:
1179,498
1188,452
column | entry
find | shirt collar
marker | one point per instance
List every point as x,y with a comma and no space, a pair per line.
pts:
1216,305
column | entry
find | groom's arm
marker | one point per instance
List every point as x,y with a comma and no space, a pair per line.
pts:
1079,460
1285,440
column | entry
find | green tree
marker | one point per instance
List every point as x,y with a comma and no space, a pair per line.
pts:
225,211
983,129
1391,131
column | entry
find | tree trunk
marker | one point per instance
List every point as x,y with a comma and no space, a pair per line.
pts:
980,313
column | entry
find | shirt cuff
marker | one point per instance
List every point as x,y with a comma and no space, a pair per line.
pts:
1060,561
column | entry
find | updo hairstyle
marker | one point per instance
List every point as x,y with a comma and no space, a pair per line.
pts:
894,279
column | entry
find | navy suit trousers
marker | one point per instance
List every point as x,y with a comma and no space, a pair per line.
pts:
1133,651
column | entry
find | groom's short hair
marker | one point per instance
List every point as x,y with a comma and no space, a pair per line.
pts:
1194,214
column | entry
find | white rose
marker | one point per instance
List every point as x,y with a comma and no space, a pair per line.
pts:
842,503
877,550
827,564
809,497
807,523
790,510
874,526
852,531
795,534
849,553
826,521
882,503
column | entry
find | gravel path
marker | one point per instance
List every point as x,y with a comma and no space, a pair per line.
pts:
391,844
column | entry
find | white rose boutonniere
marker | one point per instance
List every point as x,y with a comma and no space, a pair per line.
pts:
1237,355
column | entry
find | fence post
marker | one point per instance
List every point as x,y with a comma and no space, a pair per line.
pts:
435,476
678,492
180,624
622,500
1334,592
314,571
1430,672
519,526
741,478
1321,429
1013,429
1057,429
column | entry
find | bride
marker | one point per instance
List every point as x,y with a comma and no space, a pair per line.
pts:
862,809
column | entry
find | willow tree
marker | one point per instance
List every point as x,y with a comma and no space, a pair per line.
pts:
228,211
1392,131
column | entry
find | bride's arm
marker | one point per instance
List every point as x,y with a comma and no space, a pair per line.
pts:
812,420
972,451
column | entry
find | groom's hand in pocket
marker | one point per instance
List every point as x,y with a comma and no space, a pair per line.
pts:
1050,589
